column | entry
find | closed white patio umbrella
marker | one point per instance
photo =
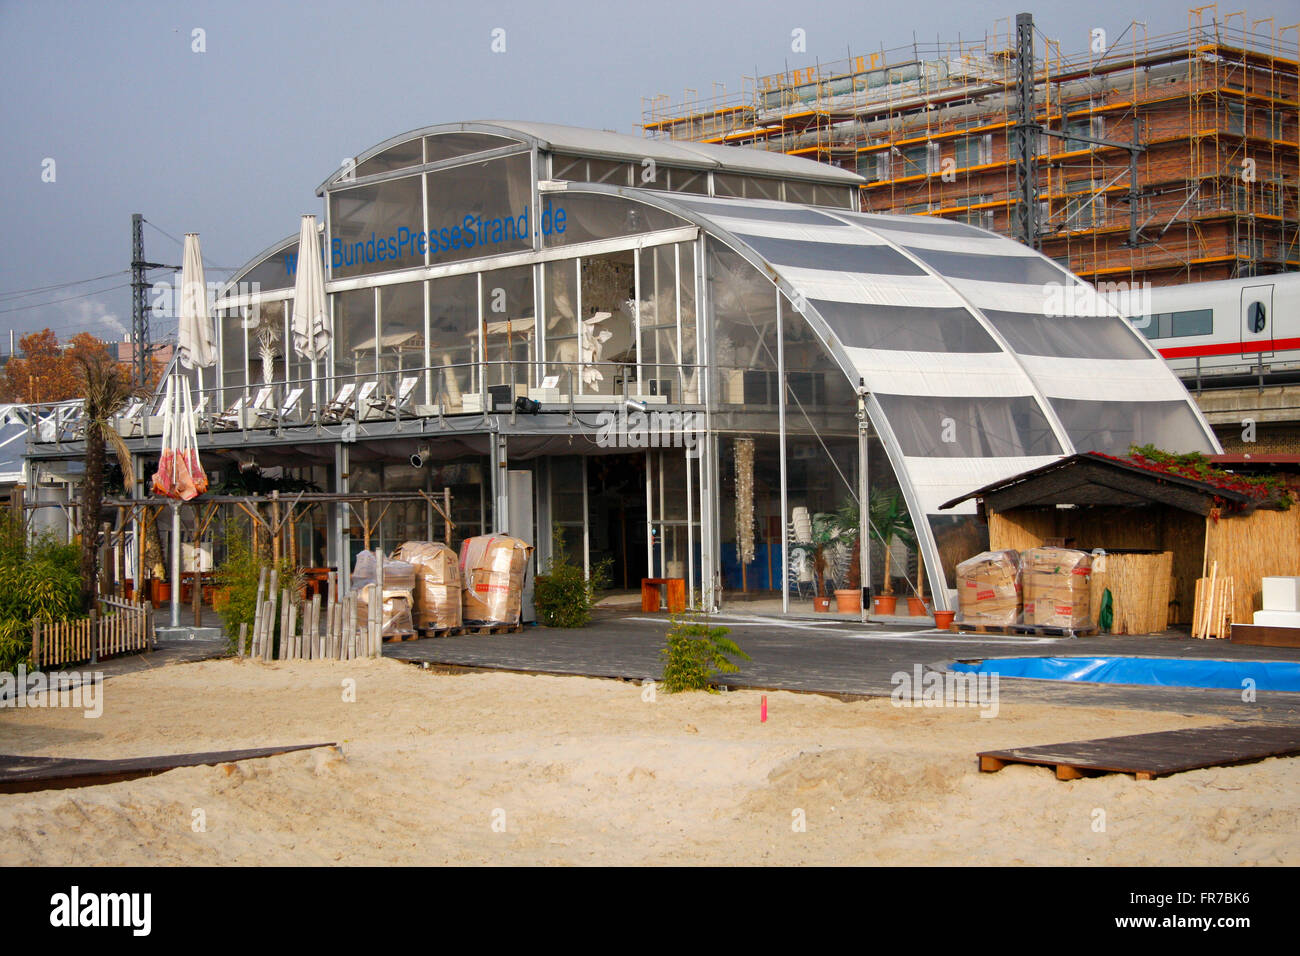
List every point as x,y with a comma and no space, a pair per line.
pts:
195,341
311,328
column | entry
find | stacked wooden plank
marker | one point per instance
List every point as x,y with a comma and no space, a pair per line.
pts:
1215,598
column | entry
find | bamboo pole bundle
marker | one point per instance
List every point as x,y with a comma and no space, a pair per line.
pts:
1140,585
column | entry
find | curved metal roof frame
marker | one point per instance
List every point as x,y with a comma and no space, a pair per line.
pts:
682,206
605,144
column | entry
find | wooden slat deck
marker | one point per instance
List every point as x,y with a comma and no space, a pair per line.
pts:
20,774
1154,755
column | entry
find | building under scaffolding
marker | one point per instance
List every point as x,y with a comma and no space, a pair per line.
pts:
934,129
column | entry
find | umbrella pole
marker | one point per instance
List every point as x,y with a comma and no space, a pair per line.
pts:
176,563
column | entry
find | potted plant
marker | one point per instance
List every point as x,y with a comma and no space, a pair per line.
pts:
890,520
848,599
825,530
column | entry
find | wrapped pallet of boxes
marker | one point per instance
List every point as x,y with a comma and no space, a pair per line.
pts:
437,583
398,595
1056,582
988,589
492,569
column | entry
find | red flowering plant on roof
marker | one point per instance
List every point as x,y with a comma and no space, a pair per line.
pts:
1262,490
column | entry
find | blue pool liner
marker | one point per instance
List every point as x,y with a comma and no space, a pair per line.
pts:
1157,671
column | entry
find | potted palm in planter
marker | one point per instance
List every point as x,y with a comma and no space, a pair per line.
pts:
848,599
890,520
825,531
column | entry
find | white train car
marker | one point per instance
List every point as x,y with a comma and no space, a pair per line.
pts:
1234,327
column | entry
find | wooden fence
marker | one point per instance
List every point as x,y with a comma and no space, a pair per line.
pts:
337,634
116,627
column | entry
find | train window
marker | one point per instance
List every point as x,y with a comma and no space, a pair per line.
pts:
1167,325
1256,317
1192,322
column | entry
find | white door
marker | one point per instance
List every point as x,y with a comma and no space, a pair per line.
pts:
1257,321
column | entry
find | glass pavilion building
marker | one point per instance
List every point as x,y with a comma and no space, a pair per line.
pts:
716,339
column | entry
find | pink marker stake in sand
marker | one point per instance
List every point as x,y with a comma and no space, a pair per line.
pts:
763,711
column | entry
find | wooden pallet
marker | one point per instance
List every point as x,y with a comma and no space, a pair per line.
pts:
1035,630
516,628
440,631
1148,756
20,774
400,636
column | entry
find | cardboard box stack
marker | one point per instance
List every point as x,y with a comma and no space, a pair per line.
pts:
988,588
437,583
1056,587
398,588
492,569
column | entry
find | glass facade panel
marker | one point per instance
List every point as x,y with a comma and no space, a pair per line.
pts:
560,310
450,145
354,335
510,329
233,355
689,377
410,153
657,310
401,338
941,427
267,345
744,330
1111,427
376,228
276,271
1068,336
479,209
453,339
606,348
569,218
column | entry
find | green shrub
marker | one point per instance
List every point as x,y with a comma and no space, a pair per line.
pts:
563,595
238,577
697,651
40,580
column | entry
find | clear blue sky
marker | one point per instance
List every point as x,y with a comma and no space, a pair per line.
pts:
231,142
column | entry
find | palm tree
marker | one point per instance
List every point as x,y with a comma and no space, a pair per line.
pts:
890,520
107,385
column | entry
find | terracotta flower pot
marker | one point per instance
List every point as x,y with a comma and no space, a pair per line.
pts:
821,604
848,600
943,619
916,607
886,604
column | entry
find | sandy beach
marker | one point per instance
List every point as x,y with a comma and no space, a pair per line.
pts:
512,769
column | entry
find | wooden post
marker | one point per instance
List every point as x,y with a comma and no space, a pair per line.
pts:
275,528
36,645
352,627
121,551
446,515
94,635
365,522
197,562
315,627
268,641
243,634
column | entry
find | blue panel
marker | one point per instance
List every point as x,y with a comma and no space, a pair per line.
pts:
1157,671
